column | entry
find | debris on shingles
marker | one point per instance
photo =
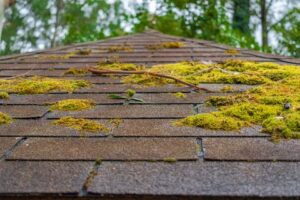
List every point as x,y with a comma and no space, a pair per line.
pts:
170,160
76,71
180,95
73,105
5,119
41,85
165,45
128,98
119,48
232,51
4,95
263,105
82,125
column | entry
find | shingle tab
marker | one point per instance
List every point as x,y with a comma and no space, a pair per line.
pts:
6,143
130,111
251,149
25,112
43,177
209,180
105,149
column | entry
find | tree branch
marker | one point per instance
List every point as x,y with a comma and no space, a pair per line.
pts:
120,72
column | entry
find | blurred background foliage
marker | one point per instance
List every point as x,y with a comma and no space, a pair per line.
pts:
264,25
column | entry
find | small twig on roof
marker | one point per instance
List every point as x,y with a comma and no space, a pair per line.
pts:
104,72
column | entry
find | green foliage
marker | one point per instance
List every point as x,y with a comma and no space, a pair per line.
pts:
128,98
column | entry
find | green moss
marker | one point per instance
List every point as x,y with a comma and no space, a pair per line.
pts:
120,66
232,52
214,121
4,95
76,71
84,51
251,112
41,85
227,89
180,95
170,160
120,48
73,105
82,125
5,119
165,45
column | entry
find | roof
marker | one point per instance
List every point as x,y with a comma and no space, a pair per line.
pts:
38,159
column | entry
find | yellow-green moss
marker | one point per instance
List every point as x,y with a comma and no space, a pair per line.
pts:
119,48
83,125
76,71
73,105
165,45
227,88
120,66
84,51
4,95
180,95
40,85
170,160
5,119
214,121
232,51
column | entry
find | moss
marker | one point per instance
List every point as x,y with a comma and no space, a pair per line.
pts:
120,66
116,122
84,51
41,85
227,89
118,48
214,121
5,119
165,45
251,112
73,105
76,71
180,95
82,125
57,57
232,52
4,95
170,160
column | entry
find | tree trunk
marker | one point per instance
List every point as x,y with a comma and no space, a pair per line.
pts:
241,16
3,5
264,25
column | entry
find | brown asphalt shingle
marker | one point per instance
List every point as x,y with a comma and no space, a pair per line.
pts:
145,134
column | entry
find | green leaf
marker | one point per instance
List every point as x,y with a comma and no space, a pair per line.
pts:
115,96
137,99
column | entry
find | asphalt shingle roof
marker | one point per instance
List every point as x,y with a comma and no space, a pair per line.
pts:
39,159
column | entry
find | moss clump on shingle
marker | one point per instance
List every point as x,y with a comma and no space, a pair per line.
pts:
41,85
180,95
120,66
263,105
76,71
5,119
4,95
170,160
165,45
214,121
73,105
119,48
82,125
